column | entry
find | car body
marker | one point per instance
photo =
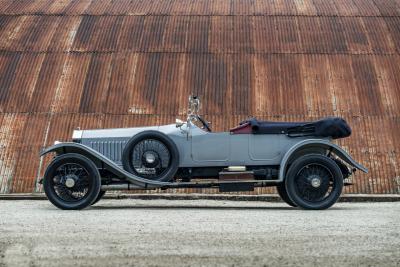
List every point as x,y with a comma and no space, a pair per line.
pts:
172,156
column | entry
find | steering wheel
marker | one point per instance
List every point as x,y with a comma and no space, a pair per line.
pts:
205,124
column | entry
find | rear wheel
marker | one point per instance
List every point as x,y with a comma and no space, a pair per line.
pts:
72,181
314,182
151,155
283,194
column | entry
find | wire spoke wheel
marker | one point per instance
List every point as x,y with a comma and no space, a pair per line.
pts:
314,182
71,182
150,158
151,155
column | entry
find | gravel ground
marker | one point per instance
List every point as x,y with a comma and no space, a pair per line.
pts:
198,233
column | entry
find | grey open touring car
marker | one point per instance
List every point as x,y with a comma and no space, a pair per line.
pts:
298,158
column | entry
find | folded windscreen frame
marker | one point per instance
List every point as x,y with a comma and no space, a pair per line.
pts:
333,127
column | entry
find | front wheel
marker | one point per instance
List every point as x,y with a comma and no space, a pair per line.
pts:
314,182
72,182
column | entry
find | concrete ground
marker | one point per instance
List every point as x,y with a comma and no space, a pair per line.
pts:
198,233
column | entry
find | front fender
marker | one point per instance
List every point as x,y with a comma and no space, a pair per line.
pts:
69,147
318,143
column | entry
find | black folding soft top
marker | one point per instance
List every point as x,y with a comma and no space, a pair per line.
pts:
333,127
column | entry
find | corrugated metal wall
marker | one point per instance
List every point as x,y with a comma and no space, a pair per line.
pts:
120,63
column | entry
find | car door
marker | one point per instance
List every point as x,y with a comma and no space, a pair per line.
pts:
208,146
265,147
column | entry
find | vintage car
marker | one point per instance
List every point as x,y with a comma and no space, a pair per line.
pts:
308,170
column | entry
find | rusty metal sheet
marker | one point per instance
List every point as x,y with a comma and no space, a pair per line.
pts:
94,64
317,91
10,136
131,32
284,7
27,163
219,7
41,33
356,37
64,36
87,34
341,83
22,89
216,34
9,63
221,34
346,8
366,84
122,84
367,8
393,24
325,8
56,7
17,7
77,7
98,7
240,88
179,7
378,36
243,35
47,83
4,4
202,7
276,34
175,34
197,39
239,7
153,32
95,89
387,69
305,7
388,7
71,83
20,85
14,38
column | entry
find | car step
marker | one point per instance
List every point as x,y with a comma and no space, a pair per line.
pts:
236,175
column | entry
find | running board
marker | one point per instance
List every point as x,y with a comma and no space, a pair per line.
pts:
199,184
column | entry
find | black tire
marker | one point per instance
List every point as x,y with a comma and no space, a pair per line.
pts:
100,196
87,182
168,172
283,194
314,182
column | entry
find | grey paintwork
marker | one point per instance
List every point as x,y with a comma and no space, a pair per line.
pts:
198,148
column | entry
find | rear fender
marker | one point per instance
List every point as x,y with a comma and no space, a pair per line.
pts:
319,145
103,162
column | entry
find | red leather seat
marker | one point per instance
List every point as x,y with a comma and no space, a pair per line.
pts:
244,128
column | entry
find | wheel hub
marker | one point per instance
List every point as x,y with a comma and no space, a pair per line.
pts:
70,181
150,159
315,181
